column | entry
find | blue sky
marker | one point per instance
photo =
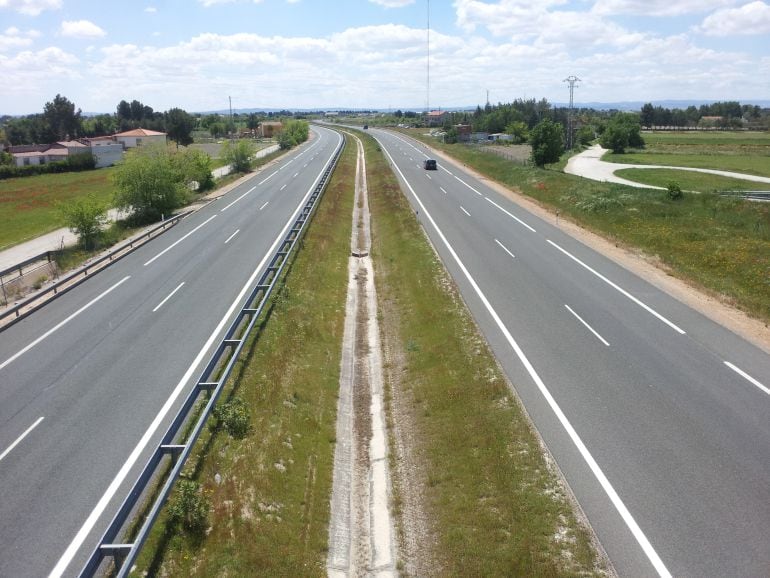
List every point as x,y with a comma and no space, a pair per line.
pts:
193,54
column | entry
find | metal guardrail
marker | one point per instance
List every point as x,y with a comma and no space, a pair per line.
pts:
72,280
750,195
211,382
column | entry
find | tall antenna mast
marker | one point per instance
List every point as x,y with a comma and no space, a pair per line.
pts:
572,81
427,104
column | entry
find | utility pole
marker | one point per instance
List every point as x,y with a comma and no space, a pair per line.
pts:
232,127
427,104
572,81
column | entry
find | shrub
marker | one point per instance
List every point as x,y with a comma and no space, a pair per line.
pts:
674,191
233,416
190,507
85,217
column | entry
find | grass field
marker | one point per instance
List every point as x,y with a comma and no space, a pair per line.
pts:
28,204
744,152
721,245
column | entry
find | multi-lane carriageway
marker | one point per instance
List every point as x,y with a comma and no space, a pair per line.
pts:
658,417
89,382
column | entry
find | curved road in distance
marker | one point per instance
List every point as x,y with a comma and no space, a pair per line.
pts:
658,417
90,382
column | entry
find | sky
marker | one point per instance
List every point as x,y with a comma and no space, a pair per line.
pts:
327,54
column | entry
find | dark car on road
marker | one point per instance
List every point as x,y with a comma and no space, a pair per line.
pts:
429,165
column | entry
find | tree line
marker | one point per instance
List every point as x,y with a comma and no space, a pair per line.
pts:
61,120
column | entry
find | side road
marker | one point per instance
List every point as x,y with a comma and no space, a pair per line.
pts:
589,164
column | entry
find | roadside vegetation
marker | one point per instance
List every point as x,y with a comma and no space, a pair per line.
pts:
719,244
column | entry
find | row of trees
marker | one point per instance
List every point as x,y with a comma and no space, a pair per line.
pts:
61,120
728,114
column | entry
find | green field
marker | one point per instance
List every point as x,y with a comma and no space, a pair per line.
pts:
28,204
743,152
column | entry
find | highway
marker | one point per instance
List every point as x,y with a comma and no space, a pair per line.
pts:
658,417
90,382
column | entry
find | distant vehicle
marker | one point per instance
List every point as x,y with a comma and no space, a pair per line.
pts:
366,126
429,165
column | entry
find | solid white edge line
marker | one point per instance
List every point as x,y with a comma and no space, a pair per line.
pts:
629,520
175,243
169,296
505,249
591,329
511,215
62,323
230,238
620,289
263,206
238,199
21,437
464,211
101,505
747,377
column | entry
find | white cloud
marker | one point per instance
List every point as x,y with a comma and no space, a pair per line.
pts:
31,7
658,7
392,3
81,29
14,38
151,9
753,18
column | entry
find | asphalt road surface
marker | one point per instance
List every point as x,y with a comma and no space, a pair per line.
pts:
658,417
89,383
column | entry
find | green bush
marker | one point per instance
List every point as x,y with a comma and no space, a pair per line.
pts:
674,191
190,507
233,416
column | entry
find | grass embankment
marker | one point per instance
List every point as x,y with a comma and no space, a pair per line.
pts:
270,513
690,181
495,507
719,244
28,204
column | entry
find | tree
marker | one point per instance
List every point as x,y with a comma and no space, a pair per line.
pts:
194,166
622,131
547,140
518,130
61,119
148,183
85,217
647,116
238,155
179,126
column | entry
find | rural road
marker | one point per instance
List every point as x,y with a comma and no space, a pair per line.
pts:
658,417
588,164
90,382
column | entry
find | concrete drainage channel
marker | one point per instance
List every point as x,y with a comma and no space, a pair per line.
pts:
361,532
